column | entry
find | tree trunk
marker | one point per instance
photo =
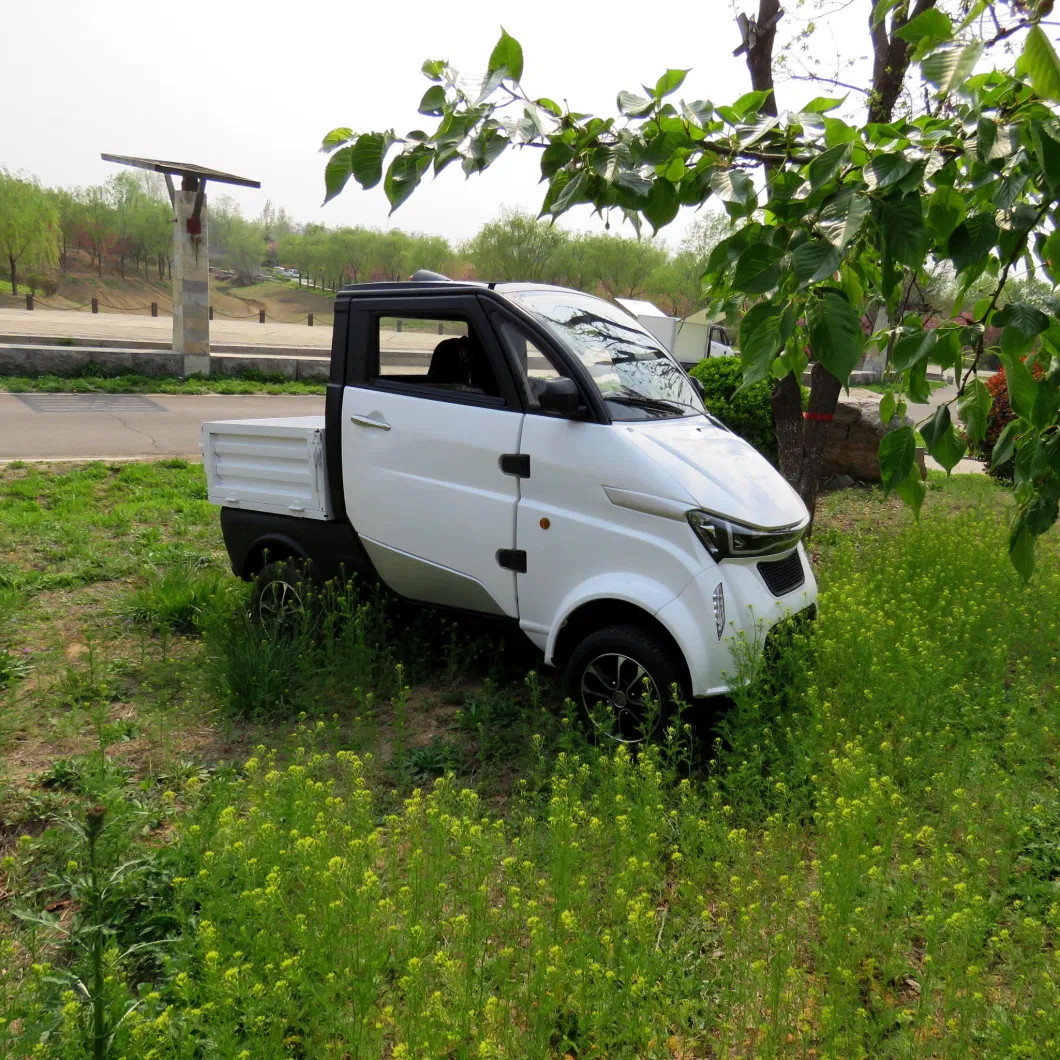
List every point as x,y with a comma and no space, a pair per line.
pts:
14,282
787,414
824,396
890,59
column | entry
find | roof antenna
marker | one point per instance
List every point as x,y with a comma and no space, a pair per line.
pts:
423,275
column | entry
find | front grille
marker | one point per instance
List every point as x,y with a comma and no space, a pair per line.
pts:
782,576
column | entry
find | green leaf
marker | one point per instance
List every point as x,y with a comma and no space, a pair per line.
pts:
1021,387
822,104
366,161
633,105
825,166
698,112
911,349
880,10
1039,61
571,194
337,172
764,329
887,407
335,138
974,407
941,439
507,55
1021,547
901,221
814,260
949,69
731,185
434,69
912,491
555,157
835,331
946,209
751,102
433,101
931,23
403,175
972,241
1025,319
671,81
1005,446
1047,151
662,205
842,216
885,170
897,457
758,268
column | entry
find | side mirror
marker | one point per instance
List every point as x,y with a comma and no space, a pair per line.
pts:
560,395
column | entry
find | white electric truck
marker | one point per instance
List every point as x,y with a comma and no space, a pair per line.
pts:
533,454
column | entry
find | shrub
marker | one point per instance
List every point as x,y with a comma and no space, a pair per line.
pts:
183,598
747,412
1001,415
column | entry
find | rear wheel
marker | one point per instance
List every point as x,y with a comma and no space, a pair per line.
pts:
281,594
621,678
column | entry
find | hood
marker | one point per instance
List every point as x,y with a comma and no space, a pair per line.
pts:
723,473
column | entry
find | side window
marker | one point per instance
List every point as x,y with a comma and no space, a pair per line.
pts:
441,352
533,368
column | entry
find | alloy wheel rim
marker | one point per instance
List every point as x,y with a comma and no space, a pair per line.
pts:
619,695
279,601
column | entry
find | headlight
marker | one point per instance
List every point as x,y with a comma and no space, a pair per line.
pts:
726,539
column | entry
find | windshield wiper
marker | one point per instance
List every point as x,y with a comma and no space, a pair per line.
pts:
639,401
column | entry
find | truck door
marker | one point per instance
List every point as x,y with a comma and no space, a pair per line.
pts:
427,421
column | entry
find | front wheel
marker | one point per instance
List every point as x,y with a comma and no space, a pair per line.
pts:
622,678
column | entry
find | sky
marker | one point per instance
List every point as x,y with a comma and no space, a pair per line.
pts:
251,88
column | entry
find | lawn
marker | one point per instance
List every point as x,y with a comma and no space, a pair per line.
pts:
247,382
378,833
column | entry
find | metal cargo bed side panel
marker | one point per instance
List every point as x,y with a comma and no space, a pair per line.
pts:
267,466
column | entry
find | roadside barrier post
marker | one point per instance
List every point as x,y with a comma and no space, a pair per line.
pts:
211,312
441,328
398,327
261,316
310,319
29,300
95,305
154,309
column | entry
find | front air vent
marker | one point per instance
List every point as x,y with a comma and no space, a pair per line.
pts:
783,576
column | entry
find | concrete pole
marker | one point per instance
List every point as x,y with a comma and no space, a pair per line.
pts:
191,282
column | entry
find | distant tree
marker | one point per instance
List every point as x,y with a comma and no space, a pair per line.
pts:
29,226
97,223
222,210
622,265
516,246
392,255
677,286
244,248
125,196
429,252
69,210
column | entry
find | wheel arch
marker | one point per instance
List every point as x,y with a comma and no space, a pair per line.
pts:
269,548
601,612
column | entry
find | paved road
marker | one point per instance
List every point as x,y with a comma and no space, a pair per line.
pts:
107,426
86,326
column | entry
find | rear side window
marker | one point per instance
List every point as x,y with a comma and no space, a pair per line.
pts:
438,353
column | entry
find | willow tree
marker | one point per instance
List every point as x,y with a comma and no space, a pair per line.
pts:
851,217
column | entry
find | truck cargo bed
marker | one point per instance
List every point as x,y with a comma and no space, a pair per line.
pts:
268,465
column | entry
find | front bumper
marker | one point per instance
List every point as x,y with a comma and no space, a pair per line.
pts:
751,610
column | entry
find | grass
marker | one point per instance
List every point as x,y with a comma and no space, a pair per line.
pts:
376,835
249,382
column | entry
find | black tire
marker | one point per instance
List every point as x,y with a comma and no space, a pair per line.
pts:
283,594
605,678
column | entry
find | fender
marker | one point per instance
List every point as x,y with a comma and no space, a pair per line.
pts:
646,593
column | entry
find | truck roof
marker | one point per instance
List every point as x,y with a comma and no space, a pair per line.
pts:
383,287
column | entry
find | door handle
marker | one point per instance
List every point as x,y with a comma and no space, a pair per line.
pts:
367,421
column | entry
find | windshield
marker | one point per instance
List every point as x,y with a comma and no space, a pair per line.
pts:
635,375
